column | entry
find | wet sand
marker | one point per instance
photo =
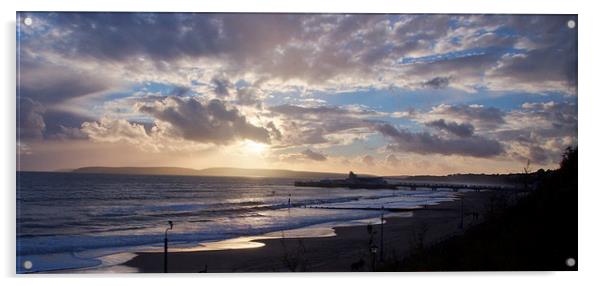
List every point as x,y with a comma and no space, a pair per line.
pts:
349,250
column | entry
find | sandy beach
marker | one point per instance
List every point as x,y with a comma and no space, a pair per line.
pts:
348,250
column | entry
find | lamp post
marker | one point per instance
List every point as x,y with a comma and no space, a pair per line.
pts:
165,246
373,250
382,231
462,212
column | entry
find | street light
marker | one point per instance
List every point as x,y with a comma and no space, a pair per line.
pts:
373,251
165,246
461,212
382,231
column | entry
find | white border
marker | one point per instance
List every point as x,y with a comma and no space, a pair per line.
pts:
372,6
589,103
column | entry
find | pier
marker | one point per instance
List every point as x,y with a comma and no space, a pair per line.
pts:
454,187
355,182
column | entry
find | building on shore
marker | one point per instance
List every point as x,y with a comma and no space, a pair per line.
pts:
353,181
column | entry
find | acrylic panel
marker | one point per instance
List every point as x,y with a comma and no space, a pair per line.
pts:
292,142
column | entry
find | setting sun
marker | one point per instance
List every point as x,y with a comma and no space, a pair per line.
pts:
252,147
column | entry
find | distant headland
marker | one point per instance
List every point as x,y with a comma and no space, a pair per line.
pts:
282,173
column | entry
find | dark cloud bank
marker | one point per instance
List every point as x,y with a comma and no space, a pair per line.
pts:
460,130
210,123
426,143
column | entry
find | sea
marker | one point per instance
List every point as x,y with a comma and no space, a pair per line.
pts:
74,221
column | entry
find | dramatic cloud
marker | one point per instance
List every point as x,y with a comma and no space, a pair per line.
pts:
50,97
304,85
30,122
437,82
69,133
313,112
461,130
551,119
540,131
94,34
312,125
466,68
312,155
221,86
274,132
207,123
247,96
546,70
179,123
159,138
115,130
545,66
51,84
59,124
305,156
476,114
360,50
425,143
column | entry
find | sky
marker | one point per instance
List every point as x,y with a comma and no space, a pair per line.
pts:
387,94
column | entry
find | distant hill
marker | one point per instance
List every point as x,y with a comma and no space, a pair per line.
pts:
239,172
214,172
174,171
279,173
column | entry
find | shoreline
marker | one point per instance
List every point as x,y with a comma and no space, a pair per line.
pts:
115,263
347,250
